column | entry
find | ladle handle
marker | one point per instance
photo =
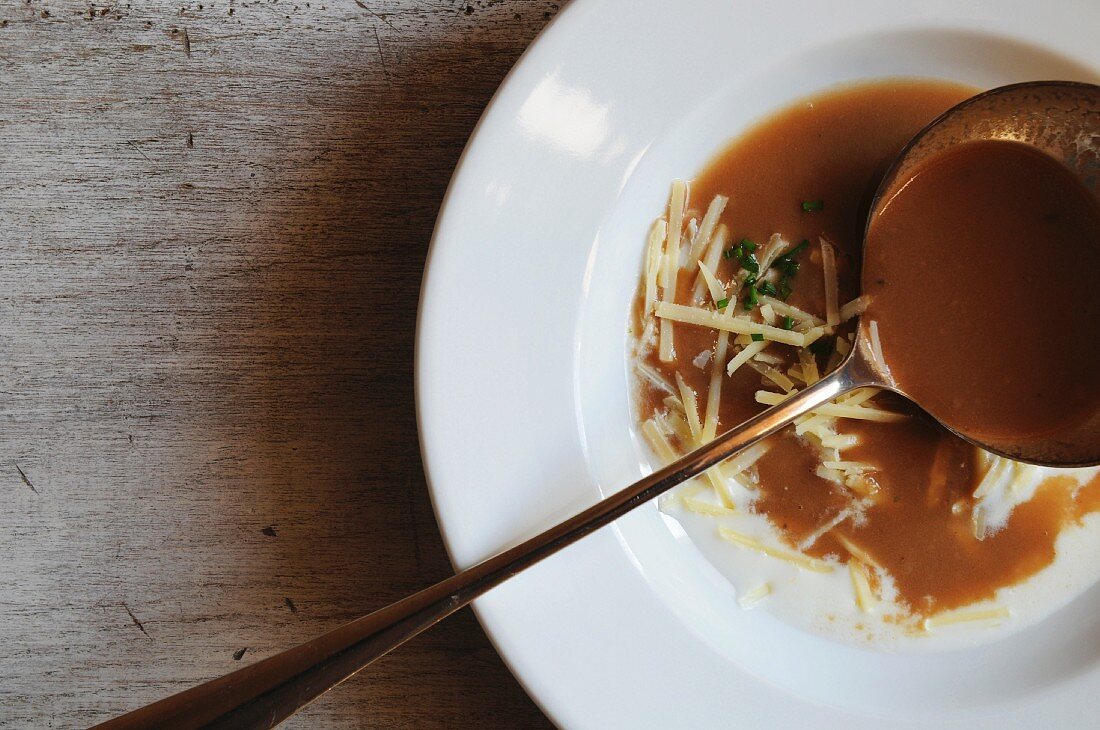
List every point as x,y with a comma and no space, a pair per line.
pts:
264,694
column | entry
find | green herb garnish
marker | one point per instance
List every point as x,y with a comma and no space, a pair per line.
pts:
722,303
749,262
784,288
757,338
788,322
812,205
767,288
728,253
750,300
749,280
748,245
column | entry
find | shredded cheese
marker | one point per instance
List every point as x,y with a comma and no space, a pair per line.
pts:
710,509
774,376
832,284
768,314
711,259
653,262
691,407
814,536
809,367
854,308
861,584
994,615
774,249
802,561
781,307
738,325
717,291
747,352
856,551
767,357
658,441
755,595
997,471
655,378
671,267
745,459
839,441
706,229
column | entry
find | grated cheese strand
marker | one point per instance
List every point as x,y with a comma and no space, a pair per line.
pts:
711,259
706,229
856,551
861,584
747,353
653,262
802,561
671,269
737,325
755,595
781,307
774,249
691,407
693,504
658,441
995,615
832,284
860,413
717,291
854,308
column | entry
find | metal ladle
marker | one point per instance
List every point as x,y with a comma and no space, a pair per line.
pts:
1060,118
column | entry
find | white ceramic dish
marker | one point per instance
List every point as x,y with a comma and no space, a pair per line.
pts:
522,383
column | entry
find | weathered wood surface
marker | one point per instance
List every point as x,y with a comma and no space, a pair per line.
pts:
213,218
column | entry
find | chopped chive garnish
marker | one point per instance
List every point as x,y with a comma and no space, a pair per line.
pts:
786,262
767,288
788,322
812,205
722,303
748,245
784,289
750,263
822,347
750,279
728,253
750,300
757,337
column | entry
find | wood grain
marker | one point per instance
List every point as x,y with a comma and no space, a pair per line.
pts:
214,218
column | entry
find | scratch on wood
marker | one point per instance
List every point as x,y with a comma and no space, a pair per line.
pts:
186,43
191,140
239,653
134,145
363,5
141,626
290,605
381,56
270,531
25,480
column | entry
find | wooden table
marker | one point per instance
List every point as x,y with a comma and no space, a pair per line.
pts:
214,217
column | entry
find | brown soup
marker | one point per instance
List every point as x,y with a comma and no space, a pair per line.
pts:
919,525
981,271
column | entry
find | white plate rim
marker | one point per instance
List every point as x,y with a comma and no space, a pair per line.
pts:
517,84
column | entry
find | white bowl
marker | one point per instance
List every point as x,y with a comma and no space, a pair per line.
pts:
522,388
